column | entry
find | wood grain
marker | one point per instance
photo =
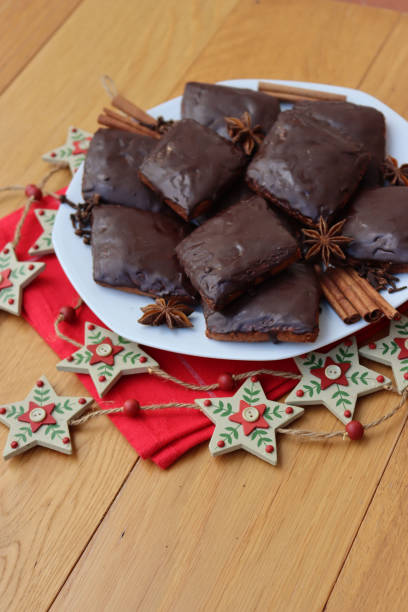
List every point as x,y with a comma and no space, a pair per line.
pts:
52,504
24,28
234,533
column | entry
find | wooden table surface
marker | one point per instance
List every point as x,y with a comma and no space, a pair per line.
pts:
103,530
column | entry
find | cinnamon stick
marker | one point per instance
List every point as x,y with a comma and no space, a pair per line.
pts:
389,311
132,110
130,123
338,301
287,92
364,304
111,122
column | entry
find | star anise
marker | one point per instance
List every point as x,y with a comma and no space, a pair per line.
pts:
242,132
326,241
172,312
396,175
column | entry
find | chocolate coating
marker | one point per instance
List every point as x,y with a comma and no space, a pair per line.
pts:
287,304
235,249
190,167
306,167
210,104
378,223
134,250
111,167
363,124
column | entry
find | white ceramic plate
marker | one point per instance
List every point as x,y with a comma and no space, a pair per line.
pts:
120,311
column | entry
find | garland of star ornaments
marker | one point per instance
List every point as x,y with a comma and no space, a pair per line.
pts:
246,419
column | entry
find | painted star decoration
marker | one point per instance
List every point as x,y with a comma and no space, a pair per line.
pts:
14,276
106,357
43,244
247,420
73,152
335,379
42,419
393,351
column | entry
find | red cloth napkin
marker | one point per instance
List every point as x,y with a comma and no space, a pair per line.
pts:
161,435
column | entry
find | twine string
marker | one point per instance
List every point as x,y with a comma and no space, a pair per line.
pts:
298,433
109,85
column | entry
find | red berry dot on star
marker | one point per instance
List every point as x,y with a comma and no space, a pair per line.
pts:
372,345
348,342
53,154
6,251
41,213
254,378
220,443
36,247
142,359
397,317
131,408
406,375
102,378
226,382
40,383
289,410
14,444
82,400
355,430
74,130
31,267
300,393
66,440
380,378
347,414
91,326
10,301
207,402
269,448
32,191
68,314
3,411
70,358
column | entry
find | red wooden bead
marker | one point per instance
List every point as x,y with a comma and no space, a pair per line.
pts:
300,393
102,378
40,383
347,414
82,400
68,314
142,359
14,444
380,378
226,382
269,448
131,408
355,430
207,402
32,191
254,379
66,440
372,345
220,443
289,410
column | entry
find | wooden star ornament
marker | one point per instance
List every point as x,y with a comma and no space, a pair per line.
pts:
14,276
335,379
247,420
42,419
73,152
393,351
106,357
43,245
